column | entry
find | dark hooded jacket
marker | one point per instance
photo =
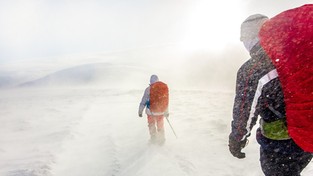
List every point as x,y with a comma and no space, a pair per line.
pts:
259,93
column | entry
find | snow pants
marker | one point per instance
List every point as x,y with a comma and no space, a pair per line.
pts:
282,157
156,127
283,164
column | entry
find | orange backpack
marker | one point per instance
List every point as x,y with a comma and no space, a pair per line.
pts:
158,97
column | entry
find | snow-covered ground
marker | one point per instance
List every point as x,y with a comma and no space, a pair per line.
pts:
79,117
72,74
96,132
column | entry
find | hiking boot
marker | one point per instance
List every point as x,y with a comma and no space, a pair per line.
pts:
153,139
161,141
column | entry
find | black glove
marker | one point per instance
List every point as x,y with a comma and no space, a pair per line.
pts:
139,114
236,146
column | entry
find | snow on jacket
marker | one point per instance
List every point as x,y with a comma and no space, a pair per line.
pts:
258,93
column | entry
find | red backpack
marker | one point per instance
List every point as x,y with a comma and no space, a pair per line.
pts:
158,97
288,40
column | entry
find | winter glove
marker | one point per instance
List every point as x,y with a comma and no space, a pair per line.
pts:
140,114
166,114
235,147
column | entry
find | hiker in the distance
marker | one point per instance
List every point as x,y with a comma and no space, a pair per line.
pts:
276,84
155,100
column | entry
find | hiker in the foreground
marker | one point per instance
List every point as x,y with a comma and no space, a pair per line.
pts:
155,100
276,84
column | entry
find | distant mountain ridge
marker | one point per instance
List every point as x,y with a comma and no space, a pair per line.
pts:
88,74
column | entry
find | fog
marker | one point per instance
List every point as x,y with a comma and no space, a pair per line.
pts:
72,73
189,43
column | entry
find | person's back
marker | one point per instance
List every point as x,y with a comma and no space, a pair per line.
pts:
258,89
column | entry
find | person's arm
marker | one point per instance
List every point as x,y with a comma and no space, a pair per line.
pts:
243,121
144,101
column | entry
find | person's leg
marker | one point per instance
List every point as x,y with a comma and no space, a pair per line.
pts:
152,127
267,164
299,161
160,129
272,163
276,163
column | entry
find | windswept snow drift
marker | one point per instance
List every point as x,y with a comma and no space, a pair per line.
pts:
79,132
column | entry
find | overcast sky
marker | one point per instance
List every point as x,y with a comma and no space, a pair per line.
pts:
42,28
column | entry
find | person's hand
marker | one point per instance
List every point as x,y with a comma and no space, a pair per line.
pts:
166,114
235,147
140,114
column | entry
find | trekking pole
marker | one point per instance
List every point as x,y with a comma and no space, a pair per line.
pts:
171,126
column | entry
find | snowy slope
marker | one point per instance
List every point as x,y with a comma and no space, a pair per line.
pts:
10,79
85,131
90,75
79,118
